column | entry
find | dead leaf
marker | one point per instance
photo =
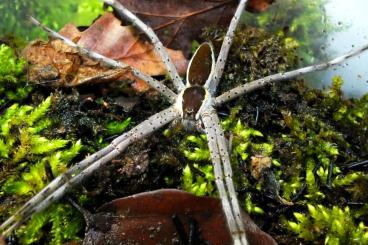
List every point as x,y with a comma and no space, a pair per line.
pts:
258,6
61,65
178,22
147,218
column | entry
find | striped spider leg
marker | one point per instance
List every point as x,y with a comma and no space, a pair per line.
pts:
259,83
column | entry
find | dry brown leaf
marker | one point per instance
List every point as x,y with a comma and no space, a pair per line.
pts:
58,64
179,22
147,218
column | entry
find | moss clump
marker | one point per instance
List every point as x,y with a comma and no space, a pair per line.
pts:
201,183
13,85
20,128
29,161
333,226
323,146
64,221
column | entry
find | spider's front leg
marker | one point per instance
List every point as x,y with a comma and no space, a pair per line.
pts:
79,172
211,84
259,83
159,47
223,172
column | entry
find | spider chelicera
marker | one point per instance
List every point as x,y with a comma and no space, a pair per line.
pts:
194,103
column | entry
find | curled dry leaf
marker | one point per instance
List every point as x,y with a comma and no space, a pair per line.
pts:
147,218
57,64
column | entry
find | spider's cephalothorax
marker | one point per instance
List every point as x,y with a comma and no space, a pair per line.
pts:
195,98
193,103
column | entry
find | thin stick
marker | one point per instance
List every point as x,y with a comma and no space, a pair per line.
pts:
57,188
159,47
219,178
169,94
248,87
212,84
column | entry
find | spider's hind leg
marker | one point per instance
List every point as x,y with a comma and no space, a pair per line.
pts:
223,176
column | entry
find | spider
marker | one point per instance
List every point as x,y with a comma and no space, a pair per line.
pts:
194,103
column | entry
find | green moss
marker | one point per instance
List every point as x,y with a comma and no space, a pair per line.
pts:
26,156
65,223
319,142
250,207
13,85
200,182
116,127
333,226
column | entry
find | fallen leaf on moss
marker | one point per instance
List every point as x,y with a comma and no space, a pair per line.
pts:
148,218
57,64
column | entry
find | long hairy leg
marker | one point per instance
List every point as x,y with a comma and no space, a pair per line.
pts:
259,83
211,85
236,232
159,47
165,91
228,173
76,174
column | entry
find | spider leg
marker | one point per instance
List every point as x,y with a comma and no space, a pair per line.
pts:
229,202
259,83
211,84
79,172
228,173
165,91
159,47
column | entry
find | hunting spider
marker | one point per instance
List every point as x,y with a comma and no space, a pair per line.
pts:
194,103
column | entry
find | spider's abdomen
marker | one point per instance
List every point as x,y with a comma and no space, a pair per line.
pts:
193,98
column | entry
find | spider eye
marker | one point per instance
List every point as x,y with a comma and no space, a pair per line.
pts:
201,65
